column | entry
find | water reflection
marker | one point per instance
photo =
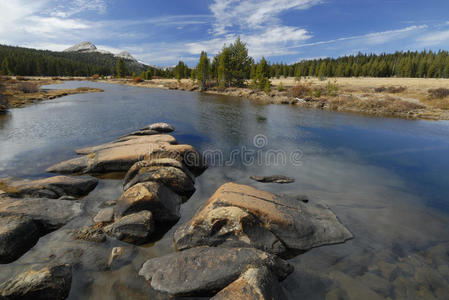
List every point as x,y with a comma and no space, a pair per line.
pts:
386,180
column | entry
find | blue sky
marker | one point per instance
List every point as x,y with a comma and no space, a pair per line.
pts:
163,32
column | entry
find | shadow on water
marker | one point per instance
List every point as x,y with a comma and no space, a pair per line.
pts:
385,179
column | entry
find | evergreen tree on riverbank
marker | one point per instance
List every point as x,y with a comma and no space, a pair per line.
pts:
203,71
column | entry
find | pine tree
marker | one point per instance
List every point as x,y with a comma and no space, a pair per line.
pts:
120,69
203,71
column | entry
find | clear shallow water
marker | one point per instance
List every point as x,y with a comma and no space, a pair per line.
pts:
386,179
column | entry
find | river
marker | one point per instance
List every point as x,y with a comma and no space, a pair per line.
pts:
386,179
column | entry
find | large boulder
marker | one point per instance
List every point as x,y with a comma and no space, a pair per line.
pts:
255,283
18,234
238,215
131,140
48,214
51,282
207,270
121,158
134,228
163,203
173,178
53,187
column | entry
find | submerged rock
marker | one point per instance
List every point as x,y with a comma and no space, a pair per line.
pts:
206,270
273,179
131,140
134,228
255,283
173,178
18,234
163,203
105,215
53,187
238,215
52,282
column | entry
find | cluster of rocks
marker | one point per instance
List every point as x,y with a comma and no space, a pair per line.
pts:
236,244
160,176
30,209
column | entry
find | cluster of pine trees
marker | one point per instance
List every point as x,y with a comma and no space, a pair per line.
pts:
231,67
425,64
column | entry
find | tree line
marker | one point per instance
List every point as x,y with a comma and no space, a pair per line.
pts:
32,62
231,67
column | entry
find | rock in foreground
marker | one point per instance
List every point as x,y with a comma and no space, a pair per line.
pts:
207,270
17,235
242,216
48,283
256,283
53,187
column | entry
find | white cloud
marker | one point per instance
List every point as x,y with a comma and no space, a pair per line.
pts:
252,14
434,38
259,25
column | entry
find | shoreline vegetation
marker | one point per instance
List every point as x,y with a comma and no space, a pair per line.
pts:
21,91
408,98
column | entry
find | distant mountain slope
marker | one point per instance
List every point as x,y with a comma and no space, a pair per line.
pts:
85,61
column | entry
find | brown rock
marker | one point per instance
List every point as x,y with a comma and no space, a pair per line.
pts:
173,178
163,203
105,215
48,283
53,187
283,225
255,283
131,140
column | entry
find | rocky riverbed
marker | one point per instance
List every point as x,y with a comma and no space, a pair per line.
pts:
237,245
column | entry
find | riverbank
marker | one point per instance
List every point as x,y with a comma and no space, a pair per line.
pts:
22,91
408,98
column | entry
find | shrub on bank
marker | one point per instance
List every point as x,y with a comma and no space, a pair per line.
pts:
137,80
27,87
438,93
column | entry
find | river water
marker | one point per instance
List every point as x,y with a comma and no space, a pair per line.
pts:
386,179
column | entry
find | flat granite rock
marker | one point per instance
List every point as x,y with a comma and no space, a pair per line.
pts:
240,215
53,187
121,158
207,270
53,282
255,283
131,140
18,234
